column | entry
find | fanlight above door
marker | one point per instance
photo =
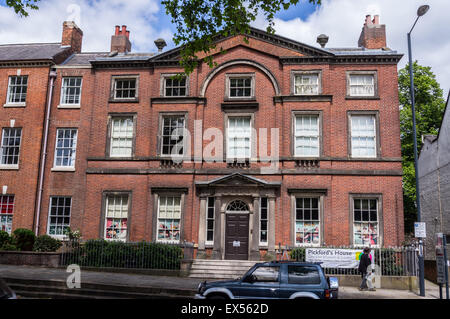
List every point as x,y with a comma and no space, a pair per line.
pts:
237,206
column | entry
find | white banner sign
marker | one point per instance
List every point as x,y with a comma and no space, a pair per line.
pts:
335,258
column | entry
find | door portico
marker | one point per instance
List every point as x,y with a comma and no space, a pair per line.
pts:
227,192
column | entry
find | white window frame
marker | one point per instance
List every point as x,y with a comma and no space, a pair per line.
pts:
298,75
378,222
316,134
238,76
354,134
7,223
164,116
319,214
110,196
2,147
164,86
350,85
8,94
64,88
248,136
125,78
73,149
127,138
208,218
166,197
49,224
266,242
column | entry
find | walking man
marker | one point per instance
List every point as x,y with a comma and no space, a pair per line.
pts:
364,262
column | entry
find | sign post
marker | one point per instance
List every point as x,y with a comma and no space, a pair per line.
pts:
420,232
441,264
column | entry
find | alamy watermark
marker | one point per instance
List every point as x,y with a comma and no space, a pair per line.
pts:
74,279
244,144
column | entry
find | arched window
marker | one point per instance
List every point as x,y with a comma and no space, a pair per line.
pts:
237,206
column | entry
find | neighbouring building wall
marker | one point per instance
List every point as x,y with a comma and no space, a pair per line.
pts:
434,184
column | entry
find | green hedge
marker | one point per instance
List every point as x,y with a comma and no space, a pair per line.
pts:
25,240
102,253
45,243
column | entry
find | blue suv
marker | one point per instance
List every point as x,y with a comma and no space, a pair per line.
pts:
277,280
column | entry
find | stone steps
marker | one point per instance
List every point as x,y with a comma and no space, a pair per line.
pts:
219,269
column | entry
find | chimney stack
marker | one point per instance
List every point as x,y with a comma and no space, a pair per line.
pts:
120,41
72,36
373,34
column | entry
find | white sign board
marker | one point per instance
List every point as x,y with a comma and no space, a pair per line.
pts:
420,230
335,258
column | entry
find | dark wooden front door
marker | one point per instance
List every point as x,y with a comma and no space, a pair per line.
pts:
236,237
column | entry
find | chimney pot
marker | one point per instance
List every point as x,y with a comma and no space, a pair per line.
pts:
373,34
120,41
376,19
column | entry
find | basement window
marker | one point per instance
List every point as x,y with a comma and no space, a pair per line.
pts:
6,212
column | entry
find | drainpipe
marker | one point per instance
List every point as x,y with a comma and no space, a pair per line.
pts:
52,76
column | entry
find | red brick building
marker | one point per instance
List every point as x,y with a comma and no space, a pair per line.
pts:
135,153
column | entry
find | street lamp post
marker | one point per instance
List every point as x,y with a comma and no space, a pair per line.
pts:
420,12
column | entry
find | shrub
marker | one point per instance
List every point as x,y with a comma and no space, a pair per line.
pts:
23,239
4,238
8,247
45,243
102,253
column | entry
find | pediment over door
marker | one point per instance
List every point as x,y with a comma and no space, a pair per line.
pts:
238,184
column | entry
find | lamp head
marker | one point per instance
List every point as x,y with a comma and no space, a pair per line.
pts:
422,10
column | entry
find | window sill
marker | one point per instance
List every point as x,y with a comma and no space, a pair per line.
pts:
303,98
69,106
59,237
362,158
123,100
63,169
240,99
9,167
14,105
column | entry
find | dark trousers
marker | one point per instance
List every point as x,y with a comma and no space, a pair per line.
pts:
364,280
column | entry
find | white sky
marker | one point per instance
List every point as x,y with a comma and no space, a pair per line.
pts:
341,20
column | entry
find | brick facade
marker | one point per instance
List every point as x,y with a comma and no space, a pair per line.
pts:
335,177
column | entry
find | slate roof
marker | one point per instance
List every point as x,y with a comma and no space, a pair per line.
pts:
84,58
30,52
361,51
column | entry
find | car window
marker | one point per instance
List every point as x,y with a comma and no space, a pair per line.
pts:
306,275
266,274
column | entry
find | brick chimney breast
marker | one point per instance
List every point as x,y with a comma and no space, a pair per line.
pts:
120,41
72,36
373,34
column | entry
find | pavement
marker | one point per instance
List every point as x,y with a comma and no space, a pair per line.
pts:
183,283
